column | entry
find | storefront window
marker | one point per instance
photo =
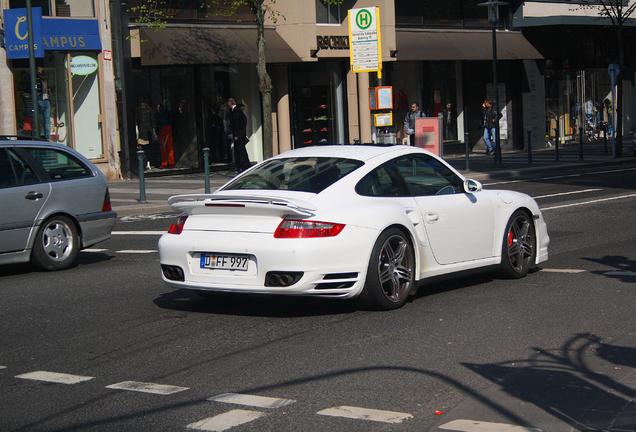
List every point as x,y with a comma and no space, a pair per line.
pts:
318,104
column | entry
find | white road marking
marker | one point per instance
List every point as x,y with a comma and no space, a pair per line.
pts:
226,420
94,250
560,176
137,251
138,232
144,387
3,367
54,377
366,414
589,202
566,193
557,270
620,273
251,400
479,426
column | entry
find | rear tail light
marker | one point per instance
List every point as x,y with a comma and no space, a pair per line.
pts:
106,206
291,228
177,227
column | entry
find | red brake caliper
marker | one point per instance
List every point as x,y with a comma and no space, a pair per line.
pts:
510,237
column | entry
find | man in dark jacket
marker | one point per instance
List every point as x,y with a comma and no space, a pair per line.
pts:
409,121
238,126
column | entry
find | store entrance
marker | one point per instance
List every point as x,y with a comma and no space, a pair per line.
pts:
318,103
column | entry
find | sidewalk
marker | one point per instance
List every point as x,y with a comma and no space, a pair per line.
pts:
124,194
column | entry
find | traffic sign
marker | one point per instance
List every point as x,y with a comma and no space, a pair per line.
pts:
365,40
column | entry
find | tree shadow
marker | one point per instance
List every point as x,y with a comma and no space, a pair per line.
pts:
625,267
568,384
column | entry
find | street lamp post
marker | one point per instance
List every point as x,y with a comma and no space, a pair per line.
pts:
493,17
35,132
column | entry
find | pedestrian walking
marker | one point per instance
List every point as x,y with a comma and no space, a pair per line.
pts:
409,121
238,126
489,123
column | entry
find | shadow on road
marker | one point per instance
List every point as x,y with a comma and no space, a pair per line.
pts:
625,268
575,383
26,268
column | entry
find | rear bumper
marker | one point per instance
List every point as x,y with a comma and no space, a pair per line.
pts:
96,227
316,258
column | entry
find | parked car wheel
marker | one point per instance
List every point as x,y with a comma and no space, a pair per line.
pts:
390,275
57,244
518,250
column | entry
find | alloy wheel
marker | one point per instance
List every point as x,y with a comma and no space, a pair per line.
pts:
395,268
57,240
520,242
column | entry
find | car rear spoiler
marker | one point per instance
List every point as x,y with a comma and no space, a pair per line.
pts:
202,204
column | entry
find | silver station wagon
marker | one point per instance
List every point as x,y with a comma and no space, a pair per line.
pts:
53,202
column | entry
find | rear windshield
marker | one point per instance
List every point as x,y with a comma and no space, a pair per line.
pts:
307,174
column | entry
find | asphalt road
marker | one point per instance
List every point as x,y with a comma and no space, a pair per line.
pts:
554,351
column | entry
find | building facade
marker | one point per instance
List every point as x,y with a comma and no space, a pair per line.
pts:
76,101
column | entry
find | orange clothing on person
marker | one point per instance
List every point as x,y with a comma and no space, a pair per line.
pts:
166,144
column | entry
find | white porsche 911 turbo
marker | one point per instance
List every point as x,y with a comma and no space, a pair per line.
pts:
348,221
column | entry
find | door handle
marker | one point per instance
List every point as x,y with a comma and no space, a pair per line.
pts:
432,217
33,196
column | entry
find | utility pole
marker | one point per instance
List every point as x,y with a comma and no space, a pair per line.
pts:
35,132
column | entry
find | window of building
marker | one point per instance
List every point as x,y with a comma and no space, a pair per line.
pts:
74,8
44,4
447,13
328,13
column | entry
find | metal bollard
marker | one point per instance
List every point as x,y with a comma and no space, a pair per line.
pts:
556,144
529,144
206,168
580,143
604,139
467,149
142,183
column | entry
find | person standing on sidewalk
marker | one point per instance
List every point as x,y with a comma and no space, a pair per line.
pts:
409,121
238,126
489,123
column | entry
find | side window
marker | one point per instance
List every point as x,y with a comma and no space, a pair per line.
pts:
425,176
58,164
22,173
384,181
7,177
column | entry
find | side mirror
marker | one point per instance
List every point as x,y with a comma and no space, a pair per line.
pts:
472,186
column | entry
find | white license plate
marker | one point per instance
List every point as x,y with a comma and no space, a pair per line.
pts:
224,262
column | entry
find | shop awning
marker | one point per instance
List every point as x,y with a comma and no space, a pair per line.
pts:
430,44
202,44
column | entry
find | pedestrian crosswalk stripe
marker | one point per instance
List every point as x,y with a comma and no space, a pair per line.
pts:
144,387
137,251
225,421
54,377
480,426
251,400
366,414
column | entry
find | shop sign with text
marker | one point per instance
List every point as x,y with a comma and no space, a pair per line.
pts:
83,65
50,34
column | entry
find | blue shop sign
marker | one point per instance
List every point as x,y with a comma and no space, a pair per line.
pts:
16,33
51,34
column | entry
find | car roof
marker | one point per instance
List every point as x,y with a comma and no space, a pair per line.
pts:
362,152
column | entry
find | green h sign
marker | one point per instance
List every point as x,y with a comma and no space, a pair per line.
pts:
363,19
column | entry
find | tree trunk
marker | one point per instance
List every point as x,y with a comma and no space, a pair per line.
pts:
264,81
619,92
